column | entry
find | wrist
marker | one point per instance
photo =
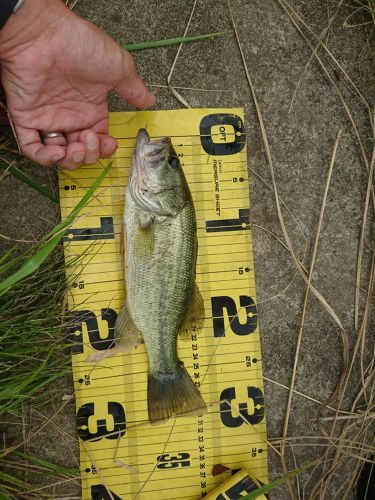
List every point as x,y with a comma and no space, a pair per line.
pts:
28,22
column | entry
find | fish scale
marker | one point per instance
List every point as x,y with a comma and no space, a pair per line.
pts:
157,287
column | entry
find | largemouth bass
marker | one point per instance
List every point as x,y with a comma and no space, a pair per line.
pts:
162,299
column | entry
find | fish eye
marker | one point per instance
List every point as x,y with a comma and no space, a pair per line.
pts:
173,161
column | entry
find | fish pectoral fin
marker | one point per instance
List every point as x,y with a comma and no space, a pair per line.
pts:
127,334
194,317
144,241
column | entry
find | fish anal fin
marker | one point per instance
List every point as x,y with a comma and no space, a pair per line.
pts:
127,334
173,394
98,356
194,317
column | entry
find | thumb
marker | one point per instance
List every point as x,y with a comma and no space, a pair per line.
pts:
131,87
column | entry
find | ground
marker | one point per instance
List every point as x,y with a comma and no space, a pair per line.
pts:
302,114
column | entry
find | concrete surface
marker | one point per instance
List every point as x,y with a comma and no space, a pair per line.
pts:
301,137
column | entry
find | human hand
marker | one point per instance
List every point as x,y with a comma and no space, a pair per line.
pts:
57,70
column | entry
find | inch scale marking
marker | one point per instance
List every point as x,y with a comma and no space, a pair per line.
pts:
122,455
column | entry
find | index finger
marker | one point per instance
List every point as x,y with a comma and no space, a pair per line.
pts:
131,87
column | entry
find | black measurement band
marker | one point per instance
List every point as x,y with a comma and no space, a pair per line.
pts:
240,224
106,231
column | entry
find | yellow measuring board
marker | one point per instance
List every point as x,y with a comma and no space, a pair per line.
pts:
122,455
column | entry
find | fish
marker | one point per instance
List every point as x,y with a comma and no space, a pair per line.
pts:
162,300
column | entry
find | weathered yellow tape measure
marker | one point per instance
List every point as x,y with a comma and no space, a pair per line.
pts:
236,487
122,455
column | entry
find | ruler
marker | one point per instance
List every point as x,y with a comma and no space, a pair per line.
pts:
121,455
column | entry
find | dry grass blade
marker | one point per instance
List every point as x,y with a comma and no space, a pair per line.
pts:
322,439
306,396
110,495
297,263
11,125
339,455
320,44
342,453
7,238
286,6
293,16
286,288
195,89
363,228
300,333
71,4
295,219
177,95
321,37
312,289
156,464
364,6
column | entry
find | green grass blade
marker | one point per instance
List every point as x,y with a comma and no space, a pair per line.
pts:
12,480
154,44
276,483
11,484
31,265
53,238
12,392
6,260
80,205
28,180
49,466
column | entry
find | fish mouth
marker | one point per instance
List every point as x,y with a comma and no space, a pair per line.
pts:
147,155
142,139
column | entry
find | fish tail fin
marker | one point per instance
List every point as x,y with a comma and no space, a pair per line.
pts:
171,394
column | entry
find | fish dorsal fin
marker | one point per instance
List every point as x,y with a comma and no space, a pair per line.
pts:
127,334
194,317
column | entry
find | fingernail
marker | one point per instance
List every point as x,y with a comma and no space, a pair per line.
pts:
57,157
92,140
110,146
78,157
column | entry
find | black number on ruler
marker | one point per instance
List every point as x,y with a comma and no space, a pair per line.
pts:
222,121
218,304
104,232
75,324
100,492
168,461
87,411
244,485
226,412
240,224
